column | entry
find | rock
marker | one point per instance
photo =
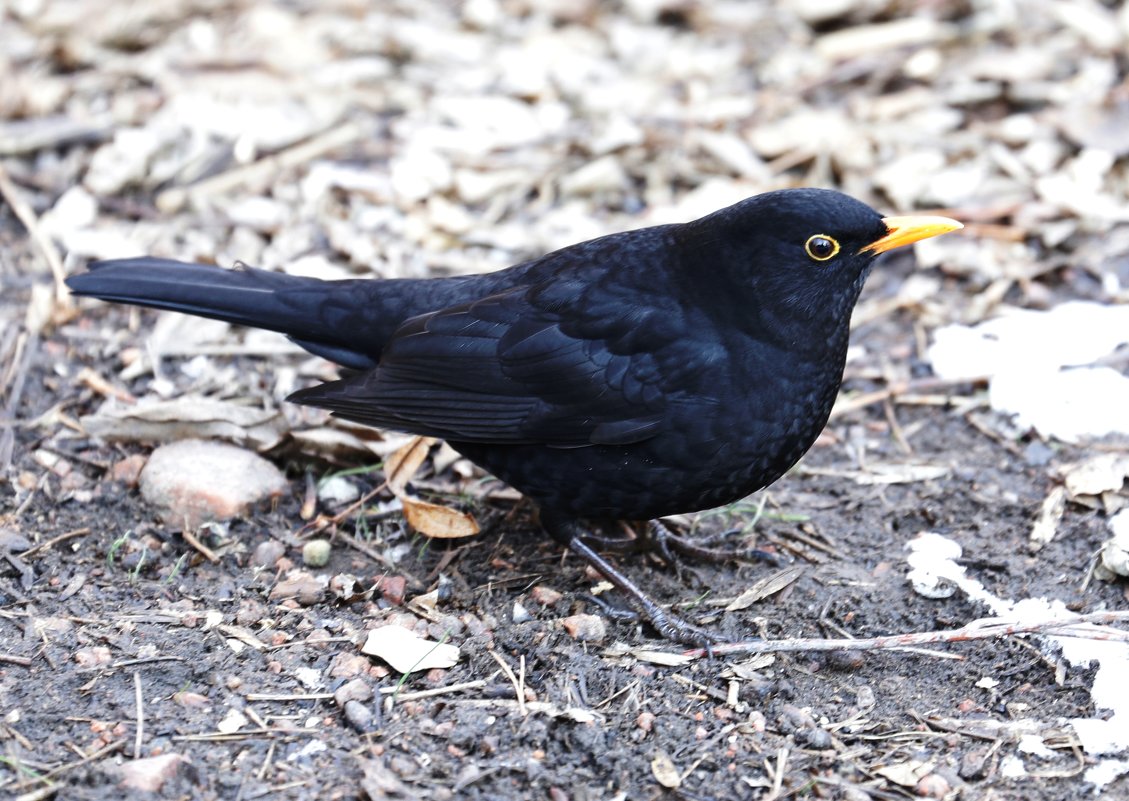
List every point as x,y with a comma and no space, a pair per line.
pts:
315,553
355,690
299,586
338,491
360,717
546,596
194,481
267,553
150,774
392,588
128,470
586,628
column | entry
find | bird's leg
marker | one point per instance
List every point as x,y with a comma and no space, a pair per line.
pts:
668,624
630,544
666,543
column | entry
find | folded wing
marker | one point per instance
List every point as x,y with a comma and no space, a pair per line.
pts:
504,370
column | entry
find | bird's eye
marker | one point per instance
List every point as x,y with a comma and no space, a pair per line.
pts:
821,247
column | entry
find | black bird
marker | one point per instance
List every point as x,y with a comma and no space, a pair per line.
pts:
642,374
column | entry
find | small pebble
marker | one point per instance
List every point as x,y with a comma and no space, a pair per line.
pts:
355,690
848,660
267,553
149,775
392,589
360,717
545,596
586,628
520,613
315,553
93,656
973,763
818,739
338,491
128,470
933,786
864,697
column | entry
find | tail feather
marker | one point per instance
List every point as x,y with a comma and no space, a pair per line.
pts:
325,317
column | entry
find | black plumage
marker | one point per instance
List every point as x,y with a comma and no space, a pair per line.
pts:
647,373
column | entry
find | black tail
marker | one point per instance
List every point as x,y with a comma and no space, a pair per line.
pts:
334,319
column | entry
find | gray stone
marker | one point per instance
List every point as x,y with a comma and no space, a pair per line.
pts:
194,481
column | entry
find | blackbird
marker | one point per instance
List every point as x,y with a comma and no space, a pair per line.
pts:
648,373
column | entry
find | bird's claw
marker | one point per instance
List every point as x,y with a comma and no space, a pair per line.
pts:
669,625
667,543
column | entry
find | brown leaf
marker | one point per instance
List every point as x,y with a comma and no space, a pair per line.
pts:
662,768
402,465
433,520
767,586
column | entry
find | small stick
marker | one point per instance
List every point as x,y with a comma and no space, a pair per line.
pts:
191,539
357,545
51,543
916,386
513,680
287,697
336,136
139,703
86,760
453,688
26,215
985,629
14,379
266,762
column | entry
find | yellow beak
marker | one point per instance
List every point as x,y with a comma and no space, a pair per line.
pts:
907,230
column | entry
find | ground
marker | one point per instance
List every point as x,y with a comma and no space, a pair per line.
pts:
123,639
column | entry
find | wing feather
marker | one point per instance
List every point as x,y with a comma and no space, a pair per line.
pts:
504,370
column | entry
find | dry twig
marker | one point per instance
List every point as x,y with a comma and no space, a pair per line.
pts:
985,629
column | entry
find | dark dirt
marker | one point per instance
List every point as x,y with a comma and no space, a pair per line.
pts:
408,137
808,724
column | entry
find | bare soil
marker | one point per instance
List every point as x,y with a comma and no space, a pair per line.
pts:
426,137
822,723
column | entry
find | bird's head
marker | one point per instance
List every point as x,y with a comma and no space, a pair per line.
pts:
802,254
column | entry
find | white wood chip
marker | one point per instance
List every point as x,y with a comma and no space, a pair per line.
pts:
407,652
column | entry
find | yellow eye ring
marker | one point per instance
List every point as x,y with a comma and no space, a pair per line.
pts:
821,247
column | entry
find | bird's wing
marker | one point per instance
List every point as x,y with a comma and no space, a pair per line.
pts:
504,369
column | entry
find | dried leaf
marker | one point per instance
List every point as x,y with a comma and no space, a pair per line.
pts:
440,522
1115,550
766,587
908,773
664,658
402,465
232,722
901,473
662,767
748,670
1106,472
243,635
407,652
188,417
333,442
1049,516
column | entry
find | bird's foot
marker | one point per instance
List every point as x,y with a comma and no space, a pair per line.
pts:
658,538
666,543
667,623
671,626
